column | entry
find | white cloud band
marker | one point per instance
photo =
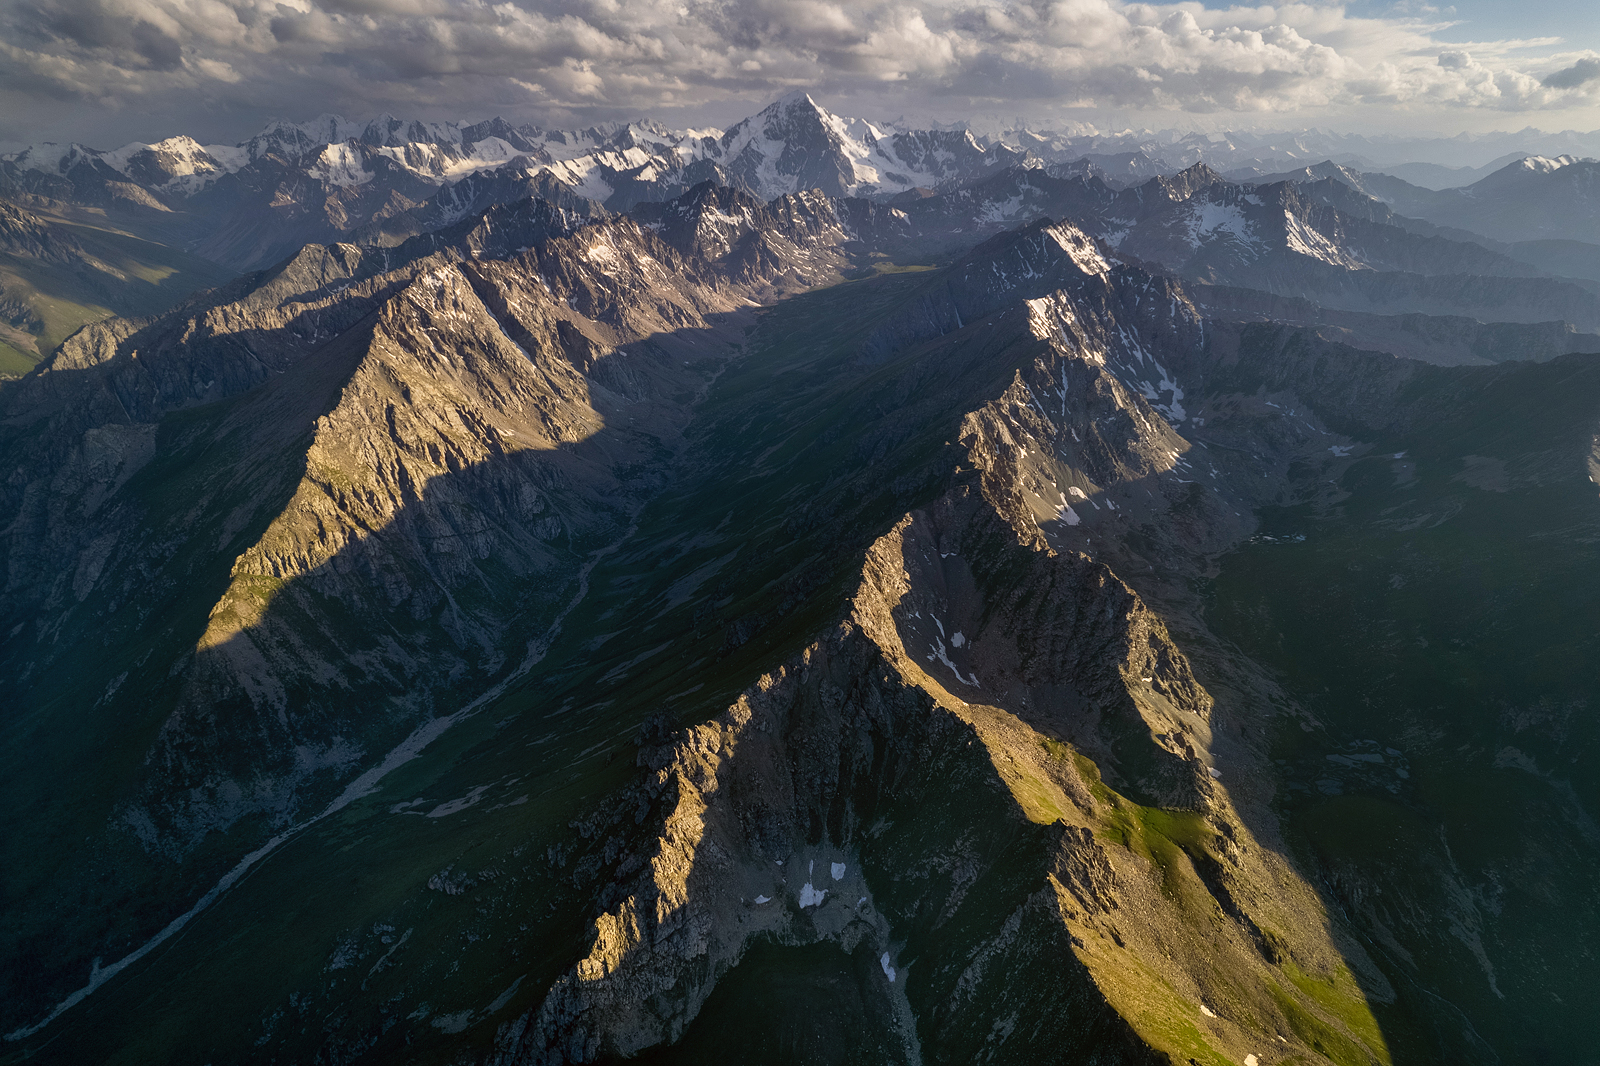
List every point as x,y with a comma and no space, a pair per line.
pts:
580,57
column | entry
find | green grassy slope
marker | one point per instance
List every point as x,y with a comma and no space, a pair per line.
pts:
45,302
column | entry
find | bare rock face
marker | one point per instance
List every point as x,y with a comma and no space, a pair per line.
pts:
929,803
1003,743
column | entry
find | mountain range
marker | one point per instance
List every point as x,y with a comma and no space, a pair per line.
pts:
803,593
380,183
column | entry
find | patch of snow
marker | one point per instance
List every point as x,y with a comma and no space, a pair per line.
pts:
811,897
1216,775
838,871
1209,219
505,997
1207,1011
957,639
1002,210
1305,240
944,657
346,955
888,970
1081,250
455,806
340,164
763,899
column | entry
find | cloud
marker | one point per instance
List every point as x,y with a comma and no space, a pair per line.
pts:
1580,73
595,58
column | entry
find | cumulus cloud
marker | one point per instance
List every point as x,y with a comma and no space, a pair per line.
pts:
578,58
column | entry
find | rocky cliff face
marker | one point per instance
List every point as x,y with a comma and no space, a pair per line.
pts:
950,782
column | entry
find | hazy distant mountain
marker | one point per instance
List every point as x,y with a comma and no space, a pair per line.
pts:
1538,211
1433,176
1304,235
1251,154
1532,198
1535,198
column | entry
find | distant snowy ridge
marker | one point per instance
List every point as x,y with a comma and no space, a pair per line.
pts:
792,145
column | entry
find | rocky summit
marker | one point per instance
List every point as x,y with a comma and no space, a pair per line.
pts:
814,592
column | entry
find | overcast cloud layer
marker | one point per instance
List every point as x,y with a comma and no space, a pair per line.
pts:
106,71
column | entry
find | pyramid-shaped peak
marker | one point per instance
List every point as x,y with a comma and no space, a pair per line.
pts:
1199,173
1329,169
1185,183
793,99
798,114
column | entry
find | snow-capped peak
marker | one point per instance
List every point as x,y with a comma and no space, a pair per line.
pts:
340,164
790,100
177,163
49,157
390,132
795,143
1541,164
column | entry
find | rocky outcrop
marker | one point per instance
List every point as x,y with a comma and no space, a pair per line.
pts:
853,796
1005,745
